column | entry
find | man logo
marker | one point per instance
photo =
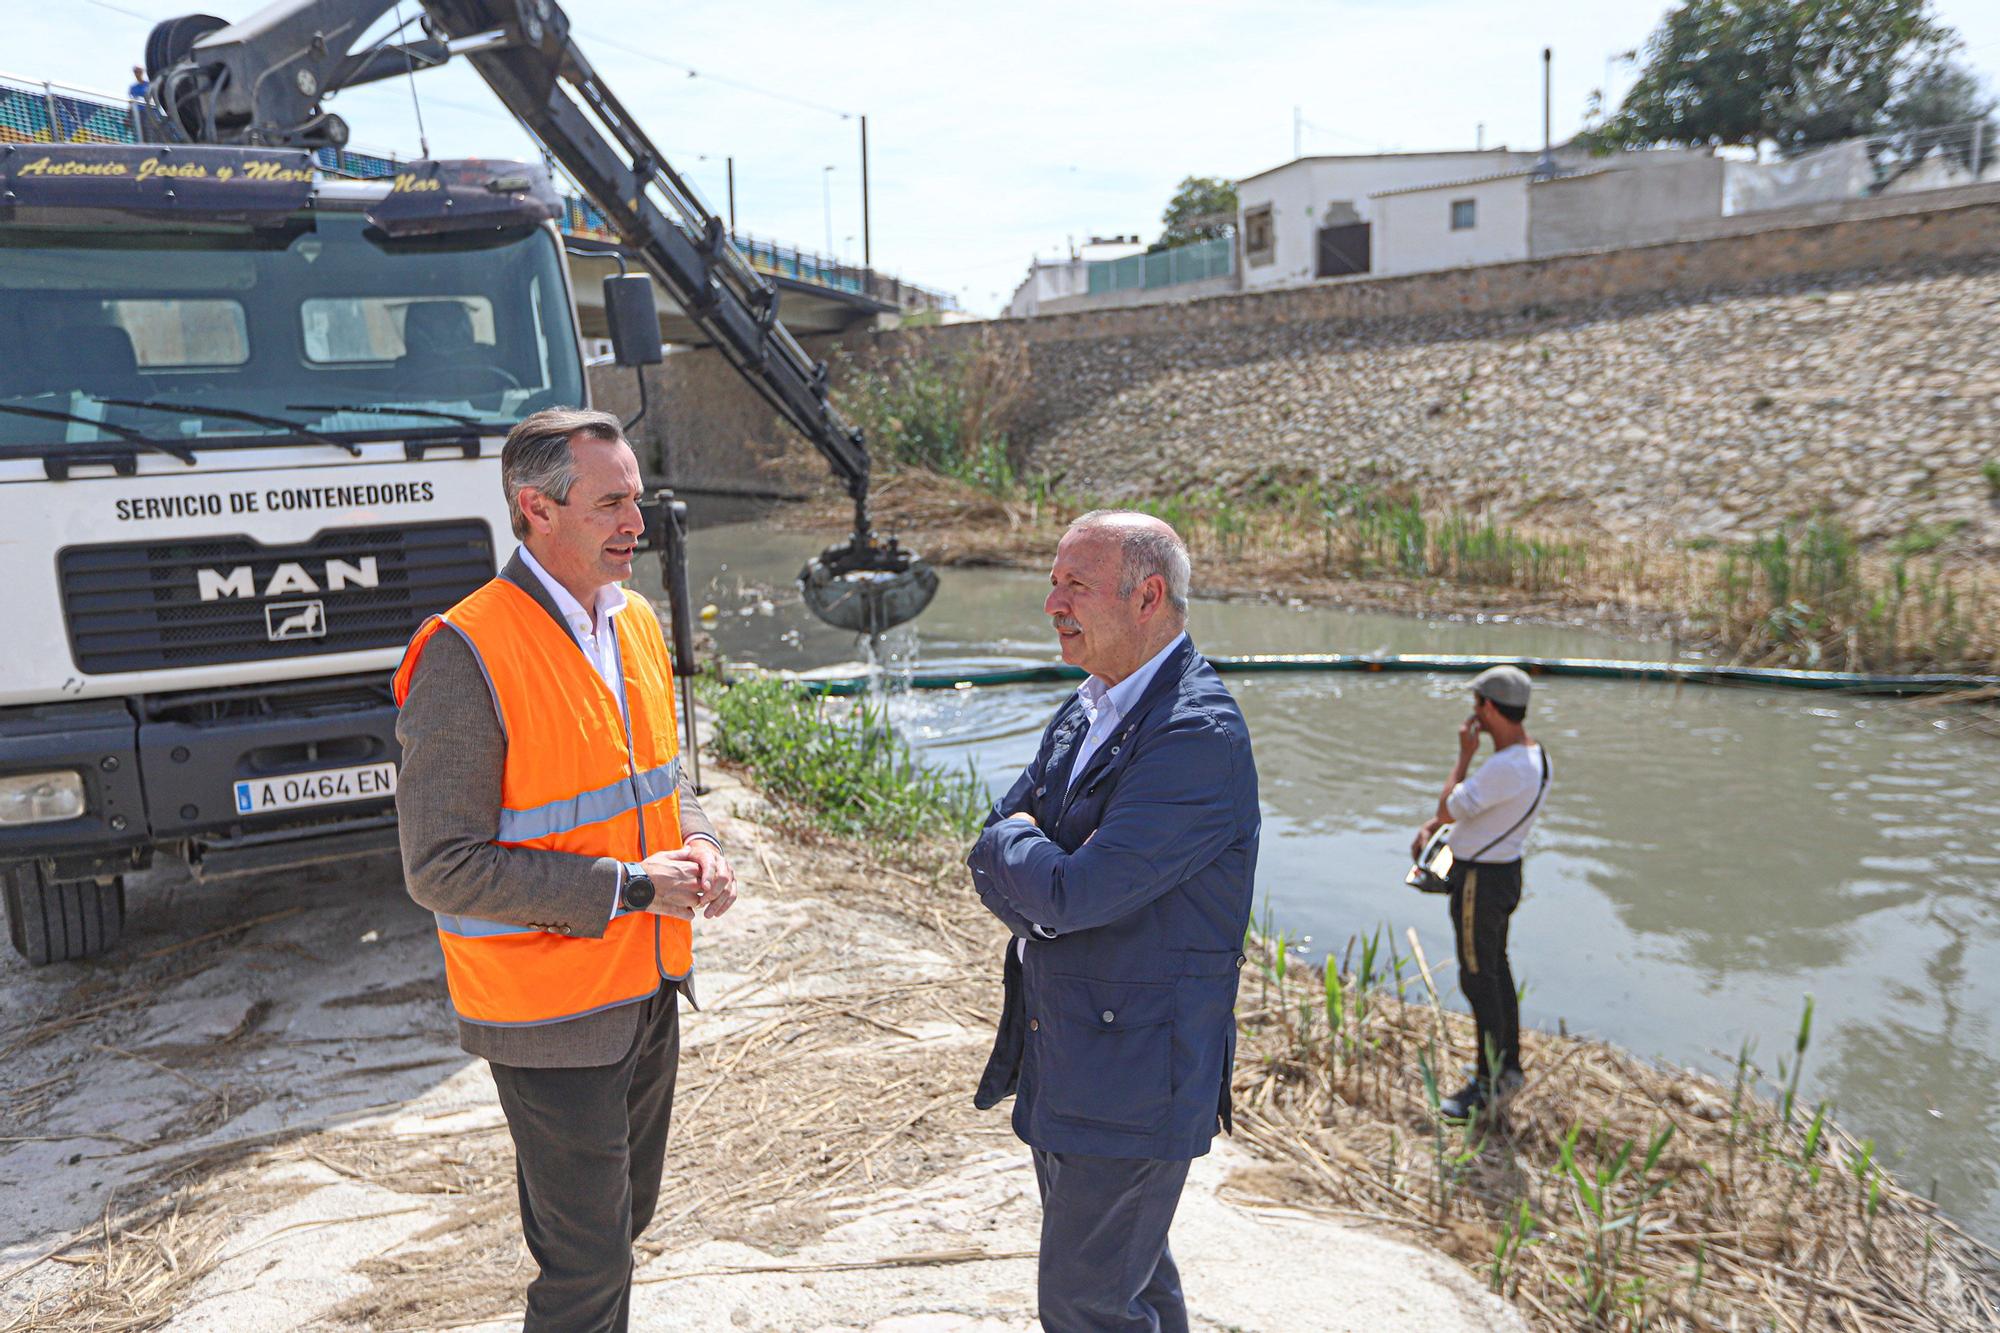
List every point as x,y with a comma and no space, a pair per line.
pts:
241,581
294,620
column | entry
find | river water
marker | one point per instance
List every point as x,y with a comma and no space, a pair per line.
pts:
1707,858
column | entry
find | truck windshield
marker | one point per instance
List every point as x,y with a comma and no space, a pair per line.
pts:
325,322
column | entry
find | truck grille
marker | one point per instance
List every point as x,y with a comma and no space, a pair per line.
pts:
140,606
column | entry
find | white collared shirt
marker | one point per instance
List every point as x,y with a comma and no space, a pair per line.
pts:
595,633
1107,705
598,638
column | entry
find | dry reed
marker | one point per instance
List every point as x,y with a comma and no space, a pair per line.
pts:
1609,1193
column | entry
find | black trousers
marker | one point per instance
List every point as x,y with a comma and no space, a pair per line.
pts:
1484,895
589,1147
1105,1266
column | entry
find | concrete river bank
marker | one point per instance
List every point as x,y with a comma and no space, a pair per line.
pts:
1709,858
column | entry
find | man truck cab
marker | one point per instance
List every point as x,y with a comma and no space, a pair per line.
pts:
250,423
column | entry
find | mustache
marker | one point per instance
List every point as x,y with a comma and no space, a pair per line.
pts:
1066,622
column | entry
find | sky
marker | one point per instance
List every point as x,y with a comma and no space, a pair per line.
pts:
996,133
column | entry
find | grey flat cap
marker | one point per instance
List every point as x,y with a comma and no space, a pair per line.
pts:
1503,685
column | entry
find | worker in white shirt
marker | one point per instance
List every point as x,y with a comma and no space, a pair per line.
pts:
1491,813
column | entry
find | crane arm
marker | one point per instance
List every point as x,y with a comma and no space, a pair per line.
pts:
263,81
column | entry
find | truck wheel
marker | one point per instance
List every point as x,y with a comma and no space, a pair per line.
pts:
60,921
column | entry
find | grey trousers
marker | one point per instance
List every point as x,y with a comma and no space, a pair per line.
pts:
1105,1266
589,1147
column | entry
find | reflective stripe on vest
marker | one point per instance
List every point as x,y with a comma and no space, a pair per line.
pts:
579,777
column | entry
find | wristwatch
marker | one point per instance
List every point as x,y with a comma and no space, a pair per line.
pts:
637,894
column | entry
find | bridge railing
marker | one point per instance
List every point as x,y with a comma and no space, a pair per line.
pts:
39,111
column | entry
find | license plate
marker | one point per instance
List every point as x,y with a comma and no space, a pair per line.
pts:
327,786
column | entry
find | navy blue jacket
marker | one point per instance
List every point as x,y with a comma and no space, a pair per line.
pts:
1118,1035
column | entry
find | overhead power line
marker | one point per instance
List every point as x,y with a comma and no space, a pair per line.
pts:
120,9
615,44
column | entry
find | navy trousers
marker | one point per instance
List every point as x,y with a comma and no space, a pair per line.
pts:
1105,1265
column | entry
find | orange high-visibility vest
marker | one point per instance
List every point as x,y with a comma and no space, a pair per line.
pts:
577,779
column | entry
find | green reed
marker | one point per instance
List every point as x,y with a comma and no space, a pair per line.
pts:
840,763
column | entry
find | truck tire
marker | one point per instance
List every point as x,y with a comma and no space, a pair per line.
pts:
60,921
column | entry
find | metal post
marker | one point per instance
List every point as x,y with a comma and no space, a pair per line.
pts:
55,120
826,198
867,249
1298,129
1978,143
1548,139
732,195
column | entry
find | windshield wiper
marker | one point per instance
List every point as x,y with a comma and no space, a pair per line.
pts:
373,410
235,414
123,433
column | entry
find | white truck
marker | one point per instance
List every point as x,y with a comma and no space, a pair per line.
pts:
250,422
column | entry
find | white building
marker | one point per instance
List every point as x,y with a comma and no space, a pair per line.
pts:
1419,212
1480,220
1057,279
1287,210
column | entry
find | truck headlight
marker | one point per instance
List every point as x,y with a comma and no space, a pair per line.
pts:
38,798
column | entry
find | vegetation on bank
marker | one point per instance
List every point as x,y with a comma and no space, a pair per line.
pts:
946,413
1607,1194
839,765
1806,595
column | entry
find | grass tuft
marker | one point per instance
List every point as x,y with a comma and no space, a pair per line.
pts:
839,763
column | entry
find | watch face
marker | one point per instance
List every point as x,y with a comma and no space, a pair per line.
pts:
638,893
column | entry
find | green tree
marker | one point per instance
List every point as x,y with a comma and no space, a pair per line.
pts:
1203,208
1946,93
1799,72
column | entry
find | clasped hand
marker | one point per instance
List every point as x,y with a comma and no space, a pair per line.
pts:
688,879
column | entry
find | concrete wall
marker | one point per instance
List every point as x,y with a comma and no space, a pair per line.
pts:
1413,232
1300,193
1183,291
1602,210
1081,367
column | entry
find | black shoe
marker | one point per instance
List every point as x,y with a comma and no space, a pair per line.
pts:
1465,1103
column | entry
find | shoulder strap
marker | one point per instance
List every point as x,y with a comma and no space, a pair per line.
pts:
1541,788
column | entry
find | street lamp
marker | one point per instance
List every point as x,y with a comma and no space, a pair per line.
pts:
826,196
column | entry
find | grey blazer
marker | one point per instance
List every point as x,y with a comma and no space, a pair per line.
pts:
448,803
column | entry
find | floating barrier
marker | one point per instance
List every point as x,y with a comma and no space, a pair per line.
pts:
1589,668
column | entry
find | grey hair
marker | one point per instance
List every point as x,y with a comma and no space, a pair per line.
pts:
537,454
1144,551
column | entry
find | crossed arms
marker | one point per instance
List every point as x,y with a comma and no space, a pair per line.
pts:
1172,814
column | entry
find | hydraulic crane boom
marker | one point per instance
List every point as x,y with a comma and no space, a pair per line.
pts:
263,82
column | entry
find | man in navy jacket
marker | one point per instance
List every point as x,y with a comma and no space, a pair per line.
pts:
1121,860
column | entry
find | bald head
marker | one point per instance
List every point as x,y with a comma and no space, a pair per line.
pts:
1117,592
1147,546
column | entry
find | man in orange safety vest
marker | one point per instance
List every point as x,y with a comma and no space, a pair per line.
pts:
546,822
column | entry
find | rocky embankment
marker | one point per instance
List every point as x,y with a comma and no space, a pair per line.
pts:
1874,397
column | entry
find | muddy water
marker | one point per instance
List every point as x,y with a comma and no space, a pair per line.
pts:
1707,860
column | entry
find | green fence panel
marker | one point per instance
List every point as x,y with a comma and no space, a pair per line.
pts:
1164,268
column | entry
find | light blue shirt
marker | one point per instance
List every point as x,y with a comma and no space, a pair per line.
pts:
1107,705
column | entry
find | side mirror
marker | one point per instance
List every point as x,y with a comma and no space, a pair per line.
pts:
633,318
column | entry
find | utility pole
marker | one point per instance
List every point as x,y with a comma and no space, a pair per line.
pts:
1548,65
826,197
732,195
1547,166
867,250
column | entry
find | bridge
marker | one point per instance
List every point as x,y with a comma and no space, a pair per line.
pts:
818,295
